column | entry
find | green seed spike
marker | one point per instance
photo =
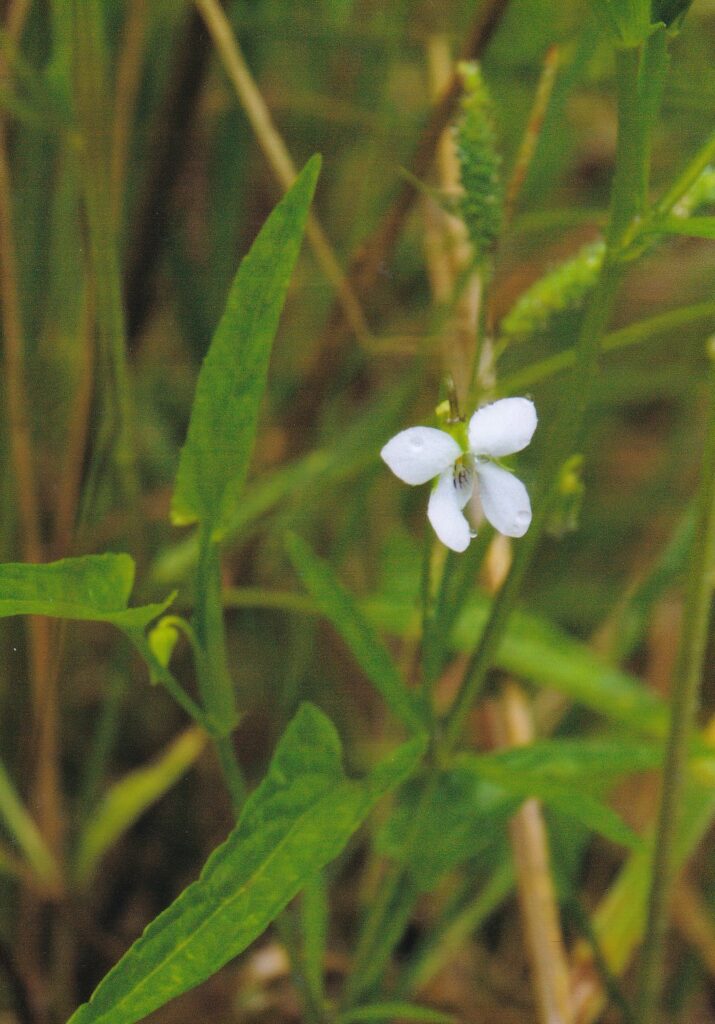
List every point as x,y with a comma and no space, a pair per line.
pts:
561,289
565,287
479,161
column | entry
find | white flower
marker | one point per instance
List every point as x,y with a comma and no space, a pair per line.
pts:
423,453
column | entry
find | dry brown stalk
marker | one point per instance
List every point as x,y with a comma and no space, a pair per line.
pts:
532,131
376,249
278,157
77,434
128,78
43,683
537,896
447,244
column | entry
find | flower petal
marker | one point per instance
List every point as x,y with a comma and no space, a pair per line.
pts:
444,510
503,427
420,454
504,499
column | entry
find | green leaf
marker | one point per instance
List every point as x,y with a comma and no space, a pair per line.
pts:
591,765
24,831
477,795
535,649
340,608
378,1012
465,815
94,588
128,798
542,772
299,819
214,460
695,227
626,21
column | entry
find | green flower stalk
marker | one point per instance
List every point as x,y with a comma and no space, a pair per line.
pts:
562,289
566,287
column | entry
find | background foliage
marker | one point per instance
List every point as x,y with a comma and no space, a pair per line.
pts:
131,185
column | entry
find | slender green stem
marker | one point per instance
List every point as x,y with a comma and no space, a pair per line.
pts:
395,892
640,73
458,578
686,687
215,682
634,334
287,927
232,772
445,938
314,920
395,902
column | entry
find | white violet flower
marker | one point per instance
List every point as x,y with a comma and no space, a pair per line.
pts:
423,453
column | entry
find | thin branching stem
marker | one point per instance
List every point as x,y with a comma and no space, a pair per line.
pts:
684,703
636,99
214,677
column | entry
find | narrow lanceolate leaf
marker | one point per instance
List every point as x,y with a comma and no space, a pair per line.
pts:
536,649
21,826
215,458
128,798
299,819
695,227
476,796
340,608
570,796
93,587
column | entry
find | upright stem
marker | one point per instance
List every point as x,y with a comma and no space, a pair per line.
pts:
42,678
686,686
90,94
543,937
640,74
214,677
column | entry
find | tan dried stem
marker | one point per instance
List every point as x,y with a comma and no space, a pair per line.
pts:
448,251
128,79
537,896
693,919
530,138
278,156
46,784
77,434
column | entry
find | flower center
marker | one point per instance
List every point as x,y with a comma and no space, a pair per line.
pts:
462,473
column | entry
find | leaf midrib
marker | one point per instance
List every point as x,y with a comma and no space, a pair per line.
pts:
223,905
